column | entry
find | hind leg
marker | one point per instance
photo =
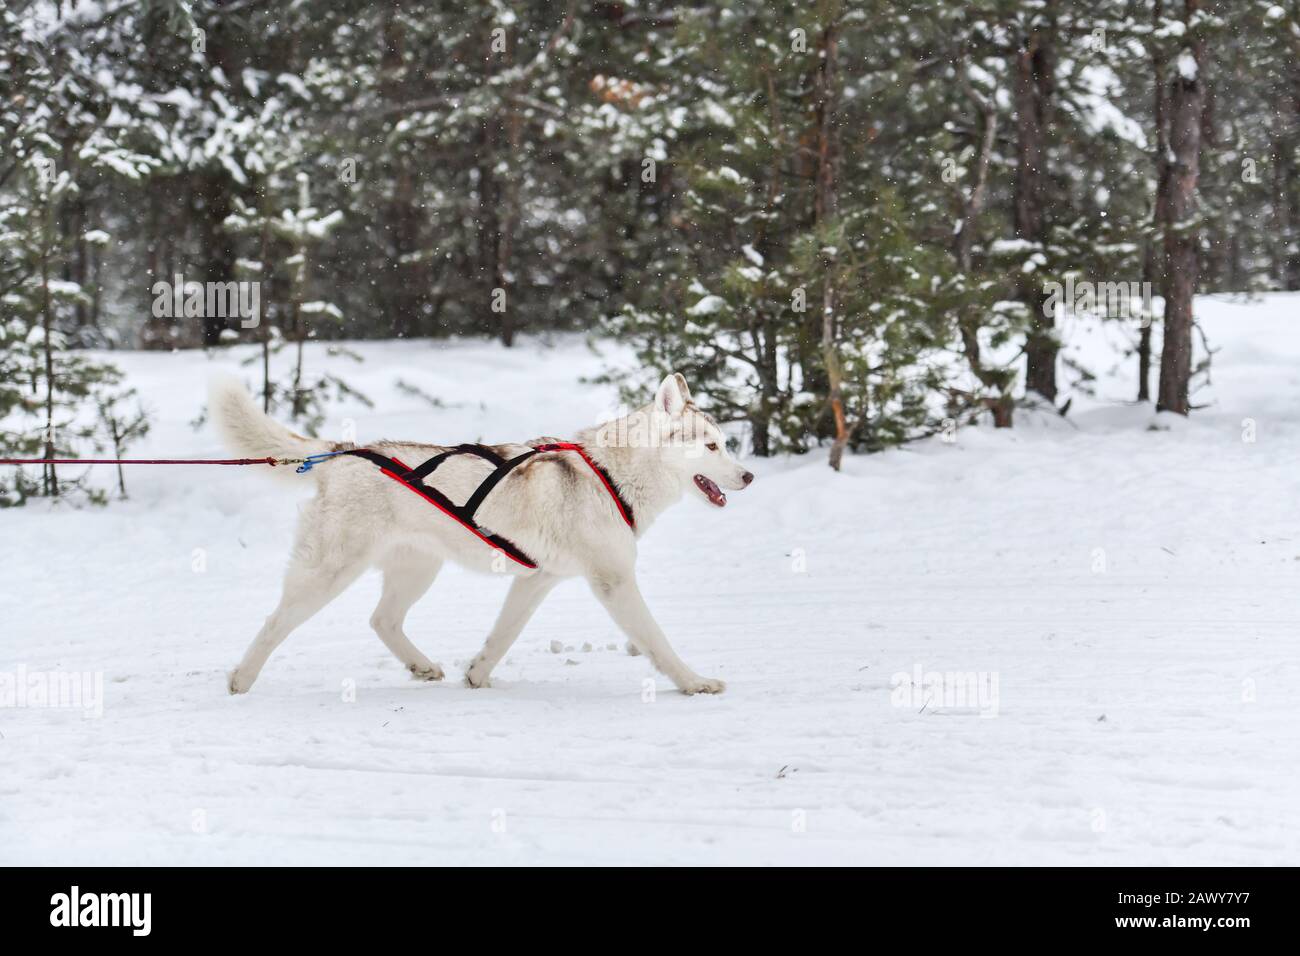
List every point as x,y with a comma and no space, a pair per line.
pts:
406,577
307,589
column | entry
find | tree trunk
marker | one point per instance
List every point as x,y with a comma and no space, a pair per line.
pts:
1001,403
96,289
214,187
406,298
503,274
764,328
155,331
826,208
299,331
489,210
1291,280
1144,334
1144,363
73,226
50,477
116,434
264,276
1181,234
1283,153
1035,67
1155,268
213,196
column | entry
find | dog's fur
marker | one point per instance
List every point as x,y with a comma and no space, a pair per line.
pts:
553,507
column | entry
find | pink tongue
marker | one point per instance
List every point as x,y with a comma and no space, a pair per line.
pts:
711,489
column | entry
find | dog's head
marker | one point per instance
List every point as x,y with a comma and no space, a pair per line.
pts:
692,443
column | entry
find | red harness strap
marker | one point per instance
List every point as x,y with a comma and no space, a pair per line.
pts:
624,508
441,502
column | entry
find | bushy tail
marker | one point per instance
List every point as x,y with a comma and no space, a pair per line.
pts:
249,432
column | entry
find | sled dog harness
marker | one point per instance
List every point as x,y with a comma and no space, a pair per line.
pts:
413,479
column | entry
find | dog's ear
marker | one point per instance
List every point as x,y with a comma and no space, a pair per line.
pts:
681,384
672,396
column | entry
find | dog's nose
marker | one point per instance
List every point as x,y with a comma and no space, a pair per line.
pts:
747,477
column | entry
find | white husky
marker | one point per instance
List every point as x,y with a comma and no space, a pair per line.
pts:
553,507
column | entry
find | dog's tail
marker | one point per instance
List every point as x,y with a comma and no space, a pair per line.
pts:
251,433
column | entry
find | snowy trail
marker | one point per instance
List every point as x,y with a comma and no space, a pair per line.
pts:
1134,592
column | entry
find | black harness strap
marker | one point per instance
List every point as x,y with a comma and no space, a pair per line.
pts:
483,451
423,470
420,472
491,481
413,478
399,472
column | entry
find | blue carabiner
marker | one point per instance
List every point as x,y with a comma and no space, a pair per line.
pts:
312,460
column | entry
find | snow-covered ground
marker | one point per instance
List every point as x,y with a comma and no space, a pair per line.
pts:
1125,600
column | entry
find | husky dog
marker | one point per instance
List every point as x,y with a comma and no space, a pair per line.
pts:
554,508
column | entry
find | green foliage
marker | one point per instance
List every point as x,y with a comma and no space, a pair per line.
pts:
649,169
46,387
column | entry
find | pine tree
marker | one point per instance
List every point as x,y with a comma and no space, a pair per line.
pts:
120,426
300,230
46,384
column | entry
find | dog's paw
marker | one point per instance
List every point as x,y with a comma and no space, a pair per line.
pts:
238,683
425,670
702,685
477,675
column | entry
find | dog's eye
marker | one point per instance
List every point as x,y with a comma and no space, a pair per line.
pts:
712,446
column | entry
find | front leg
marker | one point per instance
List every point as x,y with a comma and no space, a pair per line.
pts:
622,598
525,596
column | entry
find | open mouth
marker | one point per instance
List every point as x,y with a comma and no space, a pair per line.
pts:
711,491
